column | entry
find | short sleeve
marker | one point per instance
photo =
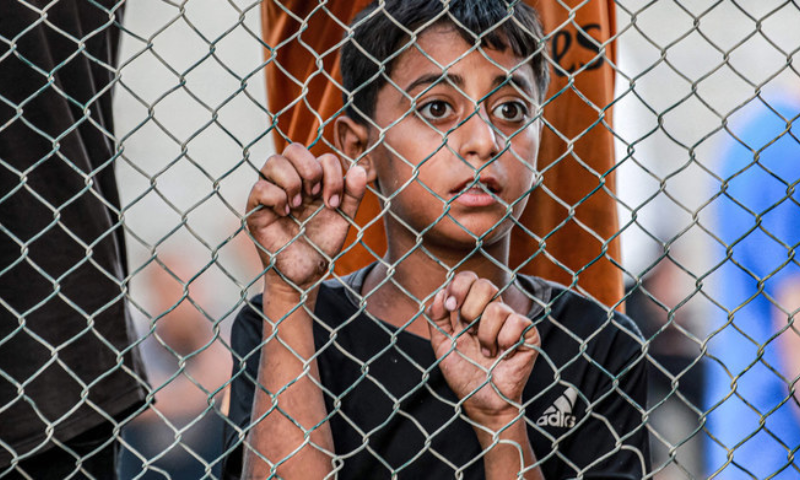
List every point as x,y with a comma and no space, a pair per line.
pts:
246,336
614,443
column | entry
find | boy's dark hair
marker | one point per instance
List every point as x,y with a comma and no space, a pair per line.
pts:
379,33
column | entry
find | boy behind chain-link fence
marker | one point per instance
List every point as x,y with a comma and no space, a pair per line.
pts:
437,361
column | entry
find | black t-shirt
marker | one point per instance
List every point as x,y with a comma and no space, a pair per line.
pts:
65,333
395,414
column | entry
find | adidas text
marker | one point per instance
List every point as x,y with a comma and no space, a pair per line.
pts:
559,414
556,419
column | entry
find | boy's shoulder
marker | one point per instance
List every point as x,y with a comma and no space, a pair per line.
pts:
566,303
572,322
555,307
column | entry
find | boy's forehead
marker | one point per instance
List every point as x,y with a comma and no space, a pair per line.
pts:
442,47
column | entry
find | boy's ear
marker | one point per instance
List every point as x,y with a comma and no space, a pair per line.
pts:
352,139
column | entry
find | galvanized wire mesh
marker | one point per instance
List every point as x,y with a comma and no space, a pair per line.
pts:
704,115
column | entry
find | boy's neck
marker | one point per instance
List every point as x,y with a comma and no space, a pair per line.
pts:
417,277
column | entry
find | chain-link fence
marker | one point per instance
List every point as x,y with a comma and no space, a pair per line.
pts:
132,336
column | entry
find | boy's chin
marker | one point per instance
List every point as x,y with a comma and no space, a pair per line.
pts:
468,236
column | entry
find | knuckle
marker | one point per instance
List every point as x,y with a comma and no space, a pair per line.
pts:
273,159
486,287
277,169
329,159
469,312
310,170
260,191
510,337
268,162
520,320
269,166
259,187
487,329
294,148
469,276
463,280
495,309
520,325
492,310
292,186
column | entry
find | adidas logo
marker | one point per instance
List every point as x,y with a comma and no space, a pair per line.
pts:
559,414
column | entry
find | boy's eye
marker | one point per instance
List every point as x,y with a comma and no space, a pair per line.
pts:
511,111
435,110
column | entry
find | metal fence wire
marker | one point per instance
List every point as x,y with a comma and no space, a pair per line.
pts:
132,335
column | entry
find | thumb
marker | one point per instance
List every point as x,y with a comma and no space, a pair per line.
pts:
355,185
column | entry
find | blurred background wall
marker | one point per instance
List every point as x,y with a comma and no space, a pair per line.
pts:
192,124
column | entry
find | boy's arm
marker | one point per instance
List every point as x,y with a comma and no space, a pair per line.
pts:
288,409
510,455
296,215
487,368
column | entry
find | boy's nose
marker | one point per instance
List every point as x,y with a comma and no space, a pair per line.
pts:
479,140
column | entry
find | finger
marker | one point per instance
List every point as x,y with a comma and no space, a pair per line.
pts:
439,315
481,294
307,166
458,289
355,185
494,318
512,332
270,196
530,338
281,172
332,180
440,326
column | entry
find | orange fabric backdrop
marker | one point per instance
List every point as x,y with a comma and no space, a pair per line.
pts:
573,212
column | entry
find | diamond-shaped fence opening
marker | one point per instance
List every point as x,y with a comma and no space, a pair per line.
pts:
406,239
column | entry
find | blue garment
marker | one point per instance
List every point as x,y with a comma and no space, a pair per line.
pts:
758,220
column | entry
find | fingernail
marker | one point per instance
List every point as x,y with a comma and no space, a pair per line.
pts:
334,201
297,200
287,209
485,352
315,189
450,303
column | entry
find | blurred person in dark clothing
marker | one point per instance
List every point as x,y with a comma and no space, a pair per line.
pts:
661,306
70,375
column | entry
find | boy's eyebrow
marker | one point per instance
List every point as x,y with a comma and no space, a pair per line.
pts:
515,79
432,78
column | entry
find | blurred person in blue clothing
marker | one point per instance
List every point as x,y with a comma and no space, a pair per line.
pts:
754,417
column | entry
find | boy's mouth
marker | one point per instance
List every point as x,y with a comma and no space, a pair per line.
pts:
484,184
482,193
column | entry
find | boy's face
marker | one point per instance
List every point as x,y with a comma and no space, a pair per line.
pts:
473,122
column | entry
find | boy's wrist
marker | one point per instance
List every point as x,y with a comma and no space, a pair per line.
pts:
277,287
508,450
504,423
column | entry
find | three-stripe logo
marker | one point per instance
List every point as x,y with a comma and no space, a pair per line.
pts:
559,414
